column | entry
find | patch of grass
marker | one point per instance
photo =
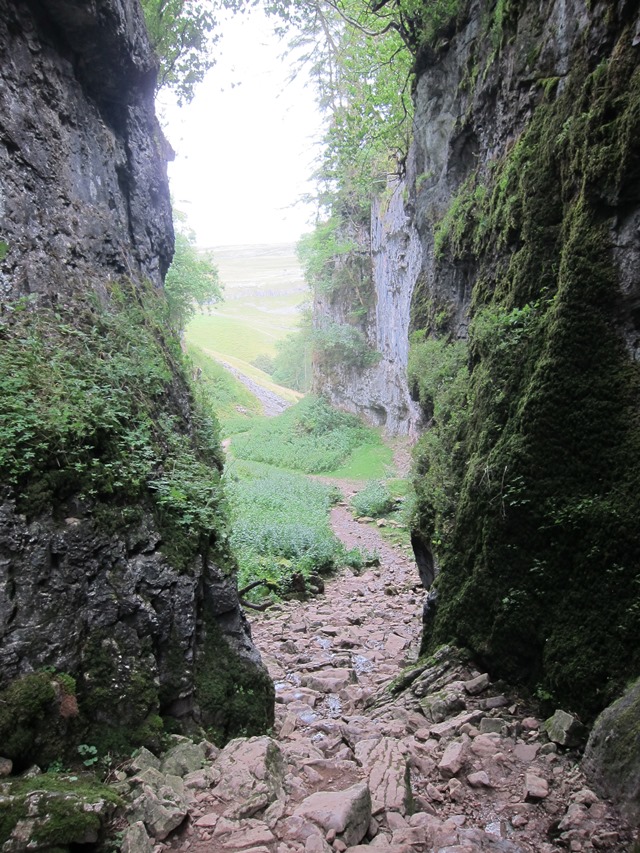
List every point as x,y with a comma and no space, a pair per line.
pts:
280,523
368,461
310,437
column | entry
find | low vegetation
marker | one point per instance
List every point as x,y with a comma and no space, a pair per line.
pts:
310,437
374,500
281,531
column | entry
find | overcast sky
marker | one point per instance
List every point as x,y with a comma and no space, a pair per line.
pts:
245,145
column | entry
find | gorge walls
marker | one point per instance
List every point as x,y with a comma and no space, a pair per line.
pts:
527,203
118,603
378,391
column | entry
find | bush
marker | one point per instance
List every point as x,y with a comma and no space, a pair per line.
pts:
310,437
281,526
374,500
90,405
264,362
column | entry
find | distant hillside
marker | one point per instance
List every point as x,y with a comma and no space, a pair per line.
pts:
265,270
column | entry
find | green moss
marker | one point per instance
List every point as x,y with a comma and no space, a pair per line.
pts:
540,561
33,724
236,699
57,803
119,697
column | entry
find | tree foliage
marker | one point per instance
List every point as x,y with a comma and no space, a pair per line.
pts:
192,278
182,33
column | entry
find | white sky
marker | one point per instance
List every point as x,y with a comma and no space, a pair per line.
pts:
245,152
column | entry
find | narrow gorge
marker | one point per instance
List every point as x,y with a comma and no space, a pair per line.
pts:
487,306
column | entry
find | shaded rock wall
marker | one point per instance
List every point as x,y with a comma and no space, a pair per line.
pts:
528,208
99,577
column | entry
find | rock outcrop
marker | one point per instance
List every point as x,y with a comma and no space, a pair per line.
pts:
611,759
114,574
527,203
378,392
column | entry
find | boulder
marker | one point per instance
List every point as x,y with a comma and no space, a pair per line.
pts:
251,773
347,813
143,760
183,758
452,759
535,788
612,757
564,729
386,766
136,840
160,812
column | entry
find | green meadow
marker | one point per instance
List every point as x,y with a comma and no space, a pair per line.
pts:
263,293
280,517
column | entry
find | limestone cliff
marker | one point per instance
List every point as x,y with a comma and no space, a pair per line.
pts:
113,564
378,391
525,359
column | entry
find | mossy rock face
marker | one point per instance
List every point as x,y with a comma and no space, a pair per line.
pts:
38,718
52,811
528,485
235,694
612,756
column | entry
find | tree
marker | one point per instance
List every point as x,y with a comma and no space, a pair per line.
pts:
192,278
182,33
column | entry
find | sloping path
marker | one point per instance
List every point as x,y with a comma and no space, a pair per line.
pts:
272,403
448,763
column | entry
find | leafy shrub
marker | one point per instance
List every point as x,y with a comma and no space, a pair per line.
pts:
341,344
374,500
264,362
292,363
91,403
280,526
310,437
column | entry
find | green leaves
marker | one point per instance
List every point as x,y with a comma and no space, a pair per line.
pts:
310,437
89,406
192,278
182,34
280,525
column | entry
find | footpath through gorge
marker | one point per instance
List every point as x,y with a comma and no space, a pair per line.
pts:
370,752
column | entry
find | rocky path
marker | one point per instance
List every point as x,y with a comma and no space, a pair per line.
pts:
439,760
273,404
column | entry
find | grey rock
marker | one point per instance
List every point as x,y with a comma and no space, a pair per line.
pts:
493,724
136,839
85,202
160,814
184,758
564,729
478,684
380,392
612,757
251,772
143,760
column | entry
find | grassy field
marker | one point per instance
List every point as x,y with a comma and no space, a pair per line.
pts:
263,290
281,530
